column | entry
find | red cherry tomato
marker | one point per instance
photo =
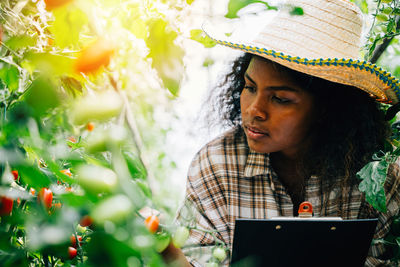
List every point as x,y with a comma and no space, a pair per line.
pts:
45,197
86,221
72,252
15,174
73,240
152,223
6,205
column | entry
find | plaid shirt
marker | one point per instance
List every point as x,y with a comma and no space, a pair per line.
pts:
227,180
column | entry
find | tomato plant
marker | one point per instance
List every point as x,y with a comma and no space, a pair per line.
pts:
90,126
152,223
72,252
45,197
86,221
6,205
219,253
15,174
180,236
73,240
163,239
79,83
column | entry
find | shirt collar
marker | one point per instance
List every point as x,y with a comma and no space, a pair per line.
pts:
257,164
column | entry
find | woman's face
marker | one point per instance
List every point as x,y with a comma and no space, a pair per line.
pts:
276,112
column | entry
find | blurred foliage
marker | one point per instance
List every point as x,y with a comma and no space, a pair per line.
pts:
234,6
65,65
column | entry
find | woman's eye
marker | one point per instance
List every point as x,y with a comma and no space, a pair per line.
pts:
281,100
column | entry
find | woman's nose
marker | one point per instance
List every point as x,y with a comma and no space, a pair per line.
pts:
258,109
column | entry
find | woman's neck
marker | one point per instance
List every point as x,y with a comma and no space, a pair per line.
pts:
290,176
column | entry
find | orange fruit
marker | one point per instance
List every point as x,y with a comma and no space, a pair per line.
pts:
95,56
52,4
90,126
152,223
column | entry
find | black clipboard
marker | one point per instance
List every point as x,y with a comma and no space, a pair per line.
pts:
301,242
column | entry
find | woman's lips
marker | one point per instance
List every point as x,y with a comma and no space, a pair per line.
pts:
255,133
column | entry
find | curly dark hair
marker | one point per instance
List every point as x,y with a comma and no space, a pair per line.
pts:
349,130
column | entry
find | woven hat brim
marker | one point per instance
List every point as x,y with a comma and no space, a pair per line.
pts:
379,83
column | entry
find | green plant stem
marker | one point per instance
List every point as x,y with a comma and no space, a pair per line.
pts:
376,13
130,119
79,247
212,233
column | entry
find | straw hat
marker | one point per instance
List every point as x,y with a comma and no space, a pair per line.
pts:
325,42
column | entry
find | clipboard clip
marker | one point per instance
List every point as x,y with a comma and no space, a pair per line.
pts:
305,210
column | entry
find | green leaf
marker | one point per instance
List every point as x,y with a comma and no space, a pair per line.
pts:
390,26
33,176
134,164
364,7
362,4
144,187
167,57
199,36
42,96
189,2
296,11
382,17
235,5
113,252
67,26
10,76
74,200
20,41
50,64
373,176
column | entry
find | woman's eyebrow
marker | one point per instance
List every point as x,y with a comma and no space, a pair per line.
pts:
274,88
248,77
283,88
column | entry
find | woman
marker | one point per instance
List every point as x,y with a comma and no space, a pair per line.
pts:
304,122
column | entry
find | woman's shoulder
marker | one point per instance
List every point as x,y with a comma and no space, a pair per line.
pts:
392,183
